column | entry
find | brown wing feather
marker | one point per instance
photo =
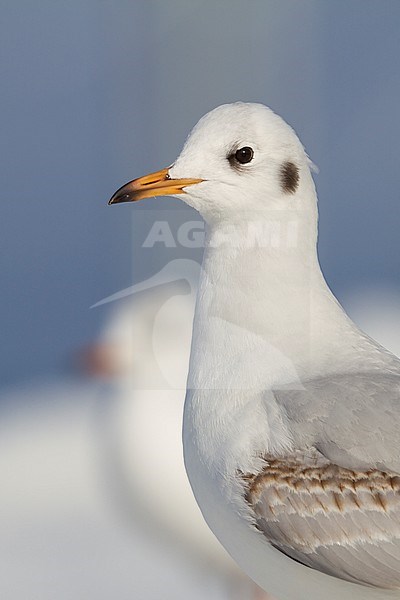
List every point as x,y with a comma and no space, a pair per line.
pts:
342,522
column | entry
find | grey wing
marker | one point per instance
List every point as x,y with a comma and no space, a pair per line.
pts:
334,503
352,419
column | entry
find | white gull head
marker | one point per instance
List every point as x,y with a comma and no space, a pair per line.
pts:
249,160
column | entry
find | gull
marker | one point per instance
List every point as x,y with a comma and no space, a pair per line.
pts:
143,352
291,423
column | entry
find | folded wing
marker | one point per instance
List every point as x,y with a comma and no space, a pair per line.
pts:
334,503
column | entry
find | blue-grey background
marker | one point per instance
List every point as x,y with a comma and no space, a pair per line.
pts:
96,92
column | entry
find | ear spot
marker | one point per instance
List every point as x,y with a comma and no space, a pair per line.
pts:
289,175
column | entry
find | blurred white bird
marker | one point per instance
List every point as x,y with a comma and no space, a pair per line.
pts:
63,534
291,422
144,351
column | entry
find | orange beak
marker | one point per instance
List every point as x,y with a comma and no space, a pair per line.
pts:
154,184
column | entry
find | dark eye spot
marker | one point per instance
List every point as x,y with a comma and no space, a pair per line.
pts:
241,157
289,175
244,155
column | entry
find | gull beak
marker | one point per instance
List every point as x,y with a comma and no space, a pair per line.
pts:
154,184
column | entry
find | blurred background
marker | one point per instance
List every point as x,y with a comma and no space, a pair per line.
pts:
95,93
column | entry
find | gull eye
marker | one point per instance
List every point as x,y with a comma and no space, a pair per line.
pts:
244,155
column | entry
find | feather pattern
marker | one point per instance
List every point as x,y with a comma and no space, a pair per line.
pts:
342,522
333,503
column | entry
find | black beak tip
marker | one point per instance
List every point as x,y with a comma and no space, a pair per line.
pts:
118,198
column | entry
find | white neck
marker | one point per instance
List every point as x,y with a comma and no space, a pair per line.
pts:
264,317
266,304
